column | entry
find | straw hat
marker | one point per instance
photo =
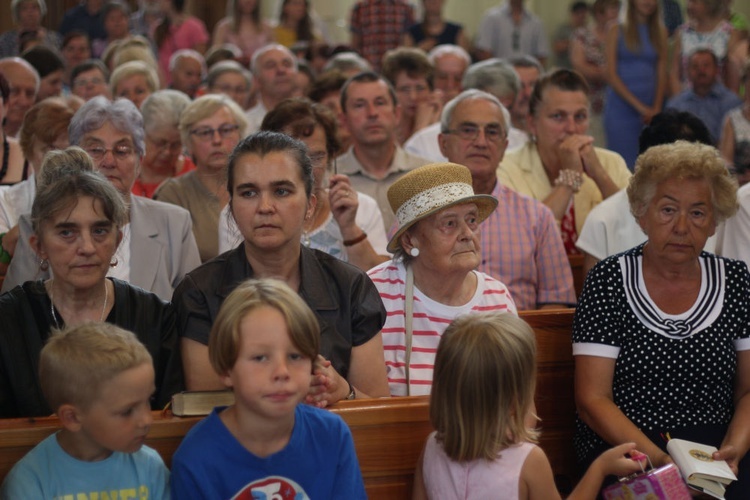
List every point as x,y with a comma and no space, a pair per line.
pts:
430,189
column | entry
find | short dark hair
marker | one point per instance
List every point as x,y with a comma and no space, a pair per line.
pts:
409,60
265,142
672,125
88,65
301,115
563,79
43,59
578,6
366,77
327,83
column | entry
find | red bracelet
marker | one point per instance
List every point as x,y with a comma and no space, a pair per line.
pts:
358,239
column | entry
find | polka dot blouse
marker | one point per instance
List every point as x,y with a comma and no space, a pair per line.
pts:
671,371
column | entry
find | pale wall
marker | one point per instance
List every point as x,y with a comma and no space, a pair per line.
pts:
467,12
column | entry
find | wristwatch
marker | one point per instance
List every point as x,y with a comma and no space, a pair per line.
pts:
352,394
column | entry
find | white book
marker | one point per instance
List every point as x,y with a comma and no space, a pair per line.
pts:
700,470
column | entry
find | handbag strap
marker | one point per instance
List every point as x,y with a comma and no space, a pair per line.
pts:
409,314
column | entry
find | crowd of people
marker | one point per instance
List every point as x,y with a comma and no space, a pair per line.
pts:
252,208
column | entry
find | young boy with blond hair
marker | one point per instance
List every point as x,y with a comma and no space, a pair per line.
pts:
99,378
266,445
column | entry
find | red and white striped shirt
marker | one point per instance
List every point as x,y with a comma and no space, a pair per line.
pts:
430,319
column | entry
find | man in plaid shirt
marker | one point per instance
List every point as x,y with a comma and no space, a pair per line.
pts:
521,244
378,25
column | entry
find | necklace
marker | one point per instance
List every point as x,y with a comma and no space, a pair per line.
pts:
52,304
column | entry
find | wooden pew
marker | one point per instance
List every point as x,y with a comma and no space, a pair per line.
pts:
388,433
576,267
555,401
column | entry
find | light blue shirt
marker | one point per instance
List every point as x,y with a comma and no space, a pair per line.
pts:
48,472
711,108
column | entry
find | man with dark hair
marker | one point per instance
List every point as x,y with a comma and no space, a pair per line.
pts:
578,16
371,112
707,98
50,67
411,74
610,228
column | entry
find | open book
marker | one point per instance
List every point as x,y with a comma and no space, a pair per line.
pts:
199,403
701,472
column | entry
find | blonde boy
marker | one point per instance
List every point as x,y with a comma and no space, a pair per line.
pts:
100,379
266,445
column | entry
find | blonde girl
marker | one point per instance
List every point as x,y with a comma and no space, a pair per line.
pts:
636,55
483,389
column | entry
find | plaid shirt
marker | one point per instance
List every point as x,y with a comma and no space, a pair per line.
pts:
521,246
380,25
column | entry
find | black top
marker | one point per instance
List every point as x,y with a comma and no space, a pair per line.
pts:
343,298
26,324
671,371
449,34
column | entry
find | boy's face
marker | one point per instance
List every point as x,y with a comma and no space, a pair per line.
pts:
120,417
271,376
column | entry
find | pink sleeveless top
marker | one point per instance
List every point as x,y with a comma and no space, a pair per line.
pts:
479,479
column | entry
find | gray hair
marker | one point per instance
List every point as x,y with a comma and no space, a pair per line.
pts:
67,176
122,113
494,76
527,61
265,49
7,61
187,53
16,4
163,108
448,49
450,108
227,66
347,61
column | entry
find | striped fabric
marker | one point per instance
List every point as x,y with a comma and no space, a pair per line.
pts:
430,321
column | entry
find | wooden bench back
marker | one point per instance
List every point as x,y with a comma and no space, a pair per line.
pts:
388,433
555,399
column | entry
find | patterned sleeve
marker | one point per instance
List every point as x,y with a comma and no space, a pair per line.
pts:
597,316
737,271
355,24
555,277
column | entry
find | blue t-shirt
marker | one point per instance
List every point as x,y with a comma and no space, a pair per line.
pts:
48,472
318,462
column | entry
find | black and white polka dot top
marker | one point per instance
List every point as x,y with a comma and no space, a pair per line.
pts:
671,371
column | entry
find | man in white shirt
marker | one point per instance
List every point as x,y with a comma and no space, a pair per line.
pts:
493,76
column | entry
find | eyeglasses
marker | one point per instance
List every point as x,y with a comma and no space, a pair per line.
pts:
208,133
163,145
121,152
492,133
82,82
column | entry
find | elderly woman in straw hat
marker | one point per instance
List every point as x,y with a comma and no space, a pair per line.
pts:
432,277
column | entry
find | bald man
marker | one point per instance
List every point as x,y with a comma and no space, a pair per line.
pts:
23,81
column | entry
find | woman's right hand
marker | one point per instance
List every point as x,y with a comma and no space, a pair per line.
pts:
570,151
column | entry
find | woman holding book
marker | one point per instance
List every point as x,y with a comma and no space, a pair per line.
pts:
660,337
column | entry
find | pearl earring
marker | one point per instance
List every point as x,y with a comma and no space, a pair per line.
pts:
414,252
